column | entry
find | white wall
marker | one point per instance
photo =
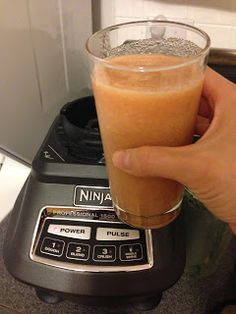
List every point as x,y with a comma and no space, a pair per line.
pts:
43,65
216,17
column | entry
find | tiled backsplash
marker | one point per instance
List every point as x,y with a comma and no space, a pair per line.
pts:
216,17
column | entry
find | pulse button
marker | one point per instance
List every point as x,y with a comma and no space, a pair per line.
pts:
116,234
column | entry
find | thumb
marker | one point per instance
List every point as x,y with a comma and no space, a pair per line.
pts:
177,163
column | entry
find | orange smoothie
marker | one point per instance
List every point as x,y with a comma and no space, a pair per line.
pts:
156,108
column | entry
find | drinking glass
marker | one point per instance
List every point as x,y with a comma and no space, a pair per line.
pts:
147,79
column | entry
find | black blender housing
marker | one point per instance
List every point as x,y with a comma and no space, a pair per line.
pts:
72,155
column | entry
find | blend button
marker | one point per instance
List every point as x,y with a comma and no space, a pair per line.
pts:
76,232
78,251
104,253
52,246
117,234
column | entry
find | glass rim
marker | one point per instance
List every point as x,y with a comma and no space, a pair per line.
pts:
203,52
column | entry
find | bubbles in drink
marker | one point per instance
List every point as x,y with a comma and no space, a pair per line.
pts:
170,46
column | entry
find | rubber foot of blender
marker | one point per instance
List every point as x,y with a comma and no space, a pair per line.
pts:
147,303
47,297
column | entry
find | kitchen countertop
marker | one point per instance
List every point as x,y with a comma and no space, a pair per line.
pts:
188,296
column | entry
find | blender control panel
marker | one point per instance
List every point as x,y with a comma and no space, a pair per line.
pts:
90,240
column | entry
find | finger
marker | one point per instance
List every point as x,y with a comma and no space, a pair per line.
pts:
233,227
215,86
202,124
178,163
205,110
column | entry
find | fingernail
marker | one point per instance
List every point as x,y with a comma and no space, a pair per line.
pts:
121,159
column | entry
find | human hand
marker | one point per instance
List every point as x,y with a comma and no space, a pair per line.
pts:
207,167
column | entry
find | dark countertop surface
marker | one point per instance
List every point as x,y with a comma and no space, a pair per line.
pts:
188,296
